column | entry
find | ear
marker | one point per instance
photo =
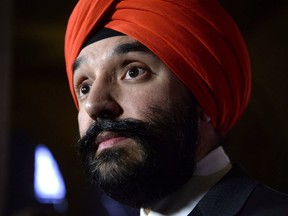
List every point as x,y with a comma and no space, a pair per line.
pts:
203,116
204,124
207,138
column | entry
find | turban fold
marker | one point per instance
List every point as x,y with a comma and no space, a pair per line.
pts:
196,39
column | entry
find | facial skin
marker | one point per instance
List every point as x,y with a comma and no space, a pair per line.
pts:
142,122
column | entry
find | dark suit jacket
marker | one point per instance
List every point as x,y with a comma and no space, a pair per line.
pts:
237,194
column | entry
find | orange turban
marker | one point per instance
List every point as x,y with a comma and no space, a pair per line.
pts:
196,39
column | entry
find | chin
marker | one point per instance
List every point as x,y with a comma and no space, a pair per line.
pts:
132,174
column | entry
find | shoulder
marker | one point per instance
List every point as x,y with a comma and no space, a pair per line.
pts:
265,201
238,194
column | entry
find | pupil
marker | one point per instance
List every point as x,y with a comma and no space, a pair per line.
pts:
133,72
84,89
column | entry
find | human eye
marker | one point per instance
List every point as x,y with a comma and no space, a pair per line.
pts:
134,72
82,89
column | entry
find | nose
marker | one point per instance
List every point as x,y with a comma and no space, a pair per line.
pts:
102,102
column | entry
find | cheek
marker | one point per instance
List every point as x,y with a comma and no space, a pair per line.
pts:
138,103
83,122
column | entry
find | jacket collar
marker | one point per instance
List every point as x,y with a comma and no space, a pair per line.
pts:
227,197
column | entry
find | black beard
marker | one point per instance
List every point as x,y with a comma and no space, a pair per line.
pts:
158,160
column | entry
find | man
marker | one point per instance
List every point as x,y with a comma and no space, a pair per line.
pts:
157,83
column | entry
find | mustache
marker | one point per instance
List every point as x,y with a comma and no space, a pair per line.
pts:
130,128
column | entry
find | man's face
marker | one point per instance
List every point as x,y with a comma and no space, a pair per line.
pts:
137,121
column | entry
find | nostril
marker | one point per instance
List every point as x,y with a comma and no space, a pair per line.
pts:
106,114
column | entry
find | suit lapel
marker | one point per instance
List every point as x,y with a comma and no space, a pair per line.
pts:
227,197
196,212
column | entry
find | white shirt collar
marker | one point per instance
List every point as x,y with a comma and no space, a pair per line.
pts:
209,170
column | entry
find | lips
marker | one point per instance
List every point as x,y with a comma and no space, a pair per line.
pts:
108,139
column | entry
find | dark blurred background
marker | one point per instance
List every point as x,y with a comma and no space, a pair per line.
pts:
36,106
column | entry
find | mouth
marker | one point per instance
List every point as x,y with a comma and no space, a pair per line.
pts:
108,139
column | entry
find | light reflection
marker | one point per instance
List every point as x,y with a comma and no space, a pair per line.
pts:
49,186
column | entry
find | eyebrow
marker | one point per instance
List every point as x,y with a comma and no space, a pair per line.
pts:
77,63
121,49
131,47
